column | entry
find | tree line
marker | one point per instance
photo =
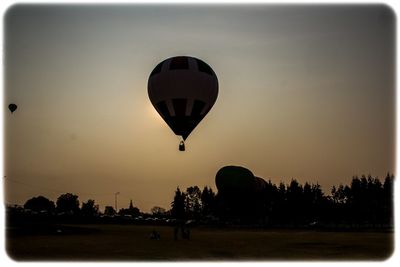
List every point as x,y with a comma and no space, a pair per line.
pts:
68,204
365,202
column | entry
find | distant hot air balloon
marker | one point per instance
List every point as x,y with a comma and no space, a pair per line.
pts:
12,107
183,90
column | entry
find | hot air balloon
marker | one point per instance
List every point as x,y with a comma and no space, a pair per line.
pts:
183,89
241,195
260,184
12,107
233,179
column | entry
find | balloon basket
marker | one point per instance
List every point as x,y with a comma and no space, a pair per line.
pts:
181,146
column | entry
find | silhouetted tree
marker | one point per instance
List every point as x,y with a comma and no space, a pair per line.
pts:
178,205
375,200
339,206
294,201
109,211
271,200
39,203
278,211
68,203
359,200
320,204
158,211
340,195
388,199
208,201
193,204
308,204
89,209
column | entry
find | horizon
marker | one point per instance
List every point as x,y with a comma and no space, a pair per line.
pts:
326,193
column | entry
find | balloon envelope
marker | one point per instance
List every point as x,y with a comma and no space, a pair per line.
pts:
12,107
260,184
183,90
234,179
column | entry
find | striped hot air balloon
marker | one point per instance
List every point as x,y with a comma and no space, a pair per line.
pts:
183,89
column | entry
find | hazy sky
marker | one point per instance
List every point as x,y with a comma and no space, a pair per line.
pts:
305,92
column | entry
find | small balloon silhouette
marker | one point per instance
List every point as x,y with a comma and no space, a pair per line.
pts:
12,107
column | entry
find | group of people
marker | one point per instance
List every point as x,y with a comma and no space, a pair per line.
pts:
155,235
185,231
182,226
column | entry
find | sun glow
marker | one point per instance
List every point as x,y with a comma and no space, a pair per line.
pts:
153,113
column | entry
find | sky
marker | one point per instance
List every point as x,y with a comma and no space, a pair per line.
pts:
305,92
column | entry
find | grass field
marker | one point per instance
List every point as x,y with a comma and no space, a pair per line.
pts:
132,243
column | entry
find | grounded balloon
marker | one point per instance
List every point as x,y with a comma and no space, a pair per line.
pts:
183,90
234,179
260,184
231,179
12,107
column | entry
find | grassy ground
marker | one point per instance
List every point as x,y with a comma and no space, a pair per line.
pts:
132,243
